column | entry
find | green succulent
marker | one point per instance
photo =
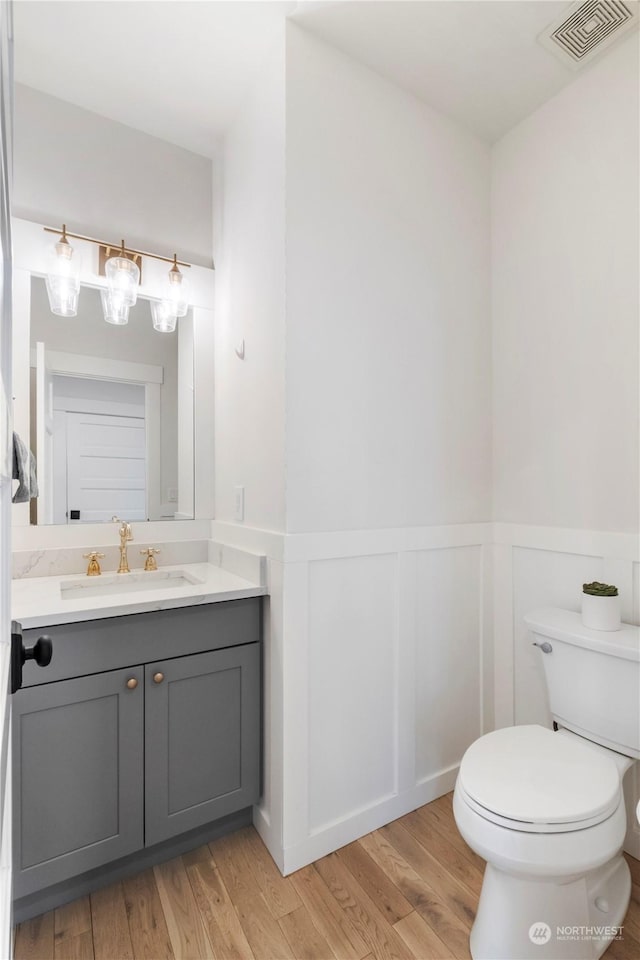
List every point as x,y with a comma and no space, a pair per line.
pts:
596,589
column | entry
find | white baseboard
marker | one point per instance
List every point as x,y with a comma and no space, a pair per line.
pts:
272,842
338,835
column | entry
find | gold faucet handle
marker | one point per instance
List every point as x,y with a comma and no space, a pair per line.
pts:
93,567
150,562
125,528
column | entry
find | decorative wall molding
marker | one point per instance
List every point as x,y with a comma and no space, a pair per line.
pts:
359,543
518,566
350,654
515,562
566,540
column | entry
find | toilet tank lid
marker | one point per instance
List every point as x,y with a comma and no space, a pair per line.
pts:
530,774
567,626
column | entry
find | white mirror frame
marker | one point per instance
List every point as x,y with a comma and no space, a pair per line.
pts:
31,245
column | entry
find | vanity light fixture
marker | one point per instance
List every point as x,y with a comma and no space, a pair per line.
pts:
63,278
163,317
122,271
123,278
114,308
177,291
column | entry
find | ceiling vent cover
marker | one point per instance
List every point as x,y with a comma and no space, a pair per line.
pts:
587,28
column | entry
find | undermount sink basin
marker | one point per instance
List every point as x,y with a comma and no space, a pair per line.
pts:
119,583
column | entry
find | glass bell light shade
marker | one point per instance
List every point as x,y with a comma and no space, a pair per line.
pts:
63,279
114,308
164,319
123,278
176,290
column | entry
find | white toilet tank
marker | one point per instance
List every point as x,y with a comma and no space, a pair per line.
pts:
593,678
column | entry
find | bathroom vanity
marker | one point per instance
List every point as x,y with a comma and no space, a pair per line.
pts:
140,739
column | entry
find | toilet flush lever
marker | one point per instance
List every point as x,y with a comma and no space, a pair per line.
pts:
545,647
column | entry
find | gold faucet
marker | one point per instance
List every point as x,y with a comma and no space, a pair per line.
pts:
150,562
93,567
125,536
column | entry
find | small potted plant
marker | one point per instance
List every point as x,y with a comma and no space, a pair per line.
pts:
600,606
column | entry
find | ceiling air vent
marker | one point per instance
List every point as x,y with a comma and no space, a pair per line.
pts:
588,28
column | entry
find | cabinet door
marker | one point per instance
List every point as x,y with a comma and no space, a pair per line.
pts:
78,776
202,723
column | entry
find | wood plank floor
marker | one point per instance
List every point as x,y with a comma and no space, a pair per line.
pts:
405,892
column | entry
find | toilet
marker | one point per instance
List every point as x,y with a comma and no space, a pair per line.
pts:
545,808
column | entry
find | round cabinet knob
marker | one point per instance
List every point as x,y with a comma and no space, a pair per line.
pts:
158,677
132,683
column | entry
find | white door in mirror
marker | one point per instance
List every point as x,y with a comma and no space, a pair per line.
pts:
105,467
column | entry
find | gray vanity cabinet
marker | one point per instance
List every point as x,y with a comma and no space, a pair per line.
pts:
202,725
142,734
78,791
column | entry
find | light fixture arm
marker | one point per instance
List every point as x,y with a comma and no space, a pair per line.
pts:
64,233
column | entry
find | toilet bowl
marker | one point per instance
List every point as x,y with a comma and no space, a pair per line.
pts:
546,809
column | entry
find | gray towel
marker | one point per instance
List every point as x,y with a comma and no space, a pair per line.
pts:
24,470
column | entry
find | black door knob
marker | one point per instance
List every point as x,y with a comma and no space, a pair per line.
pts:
41,651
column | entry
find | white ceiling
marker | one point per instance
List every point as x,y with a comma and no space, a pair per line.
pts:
477,61
179,69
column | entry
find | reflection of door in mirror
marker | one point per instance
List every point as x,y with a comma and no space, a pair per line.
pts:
112,414
99,450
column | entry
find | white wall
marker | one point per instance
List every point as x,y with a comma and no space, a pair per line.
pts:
107,180
380,638
249,246
387,426
388,329
565,264
387,396
250,306
565,305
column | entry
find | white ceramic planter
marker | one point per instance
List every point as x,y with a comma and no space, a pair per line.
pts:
601,613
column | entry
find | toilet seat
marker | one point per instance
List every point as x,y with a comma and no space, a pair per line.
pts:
530,779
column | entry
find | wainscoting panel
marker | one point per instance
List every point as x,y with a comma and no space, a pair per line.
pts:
352,680
385,681
448,688
390,651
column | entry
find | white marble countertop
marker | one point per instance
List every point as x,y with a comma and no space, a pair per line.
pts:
39,602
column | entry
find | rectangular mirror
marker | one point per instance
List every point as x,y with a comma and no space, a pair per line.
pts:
112,414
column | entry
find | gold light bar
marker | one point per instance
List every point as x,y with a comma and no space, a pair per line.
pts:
120,247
